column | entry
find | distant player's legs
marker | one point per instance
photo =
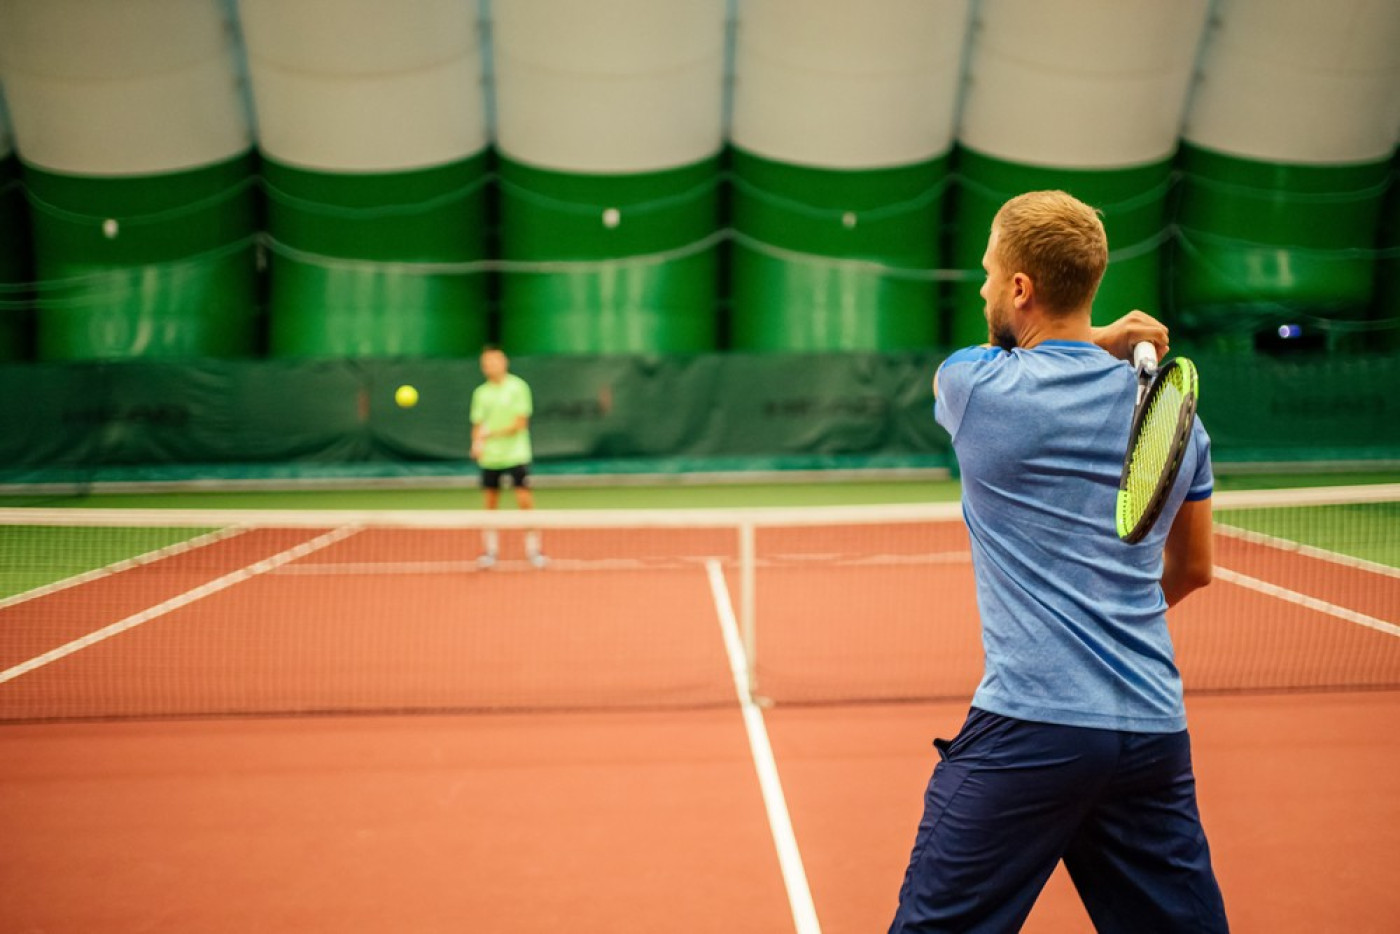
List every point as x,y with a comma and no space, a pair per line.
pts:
1141,862
525,499
491,499
1000,809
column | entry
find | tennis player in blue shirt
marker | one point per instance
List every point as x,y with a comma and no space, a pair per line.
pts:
1075,747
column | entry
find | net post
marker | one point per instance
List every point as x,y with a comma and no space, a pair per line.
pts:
747,623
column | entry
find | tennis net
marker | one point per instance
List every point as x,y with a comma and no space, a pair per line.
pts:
160,613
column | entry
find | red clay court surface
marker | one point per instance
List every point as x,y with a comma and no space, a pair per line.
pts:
620,821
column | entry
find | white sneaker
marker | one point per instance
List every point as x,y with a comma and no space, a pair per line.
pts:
538,560
486,561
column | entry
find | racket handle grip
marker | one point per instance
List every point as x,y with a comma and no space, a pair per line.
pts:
1144,357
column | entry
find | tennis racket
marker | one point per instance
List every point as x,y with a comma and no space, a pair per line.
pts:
1162,419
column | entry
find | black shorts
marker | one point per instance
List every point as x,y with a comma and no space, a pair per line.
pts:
519,477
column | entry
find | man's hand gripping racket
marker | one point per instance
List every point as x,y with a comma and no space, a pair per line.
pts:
1162,419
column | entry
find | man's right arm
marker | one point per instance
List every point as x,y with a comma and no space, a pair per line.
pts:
1120,337
1188,560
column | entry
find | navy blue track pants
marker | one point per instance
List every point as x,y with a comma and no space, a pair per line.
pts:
1011,798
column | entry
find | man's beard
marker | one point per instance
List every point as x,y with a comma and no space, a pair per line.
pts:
999,329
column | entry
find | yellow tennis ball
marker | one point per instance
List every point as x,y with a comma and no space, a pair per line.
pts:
406,396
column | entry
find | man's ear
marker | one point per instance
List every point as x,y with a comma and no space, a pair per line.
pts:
1022,290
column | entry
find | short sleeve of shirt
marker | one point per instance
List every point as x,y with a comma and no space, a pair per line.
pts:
1203,481
525,401
956,377
477,406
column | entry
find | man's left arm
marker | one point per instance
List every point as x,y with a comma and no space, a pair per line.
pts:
1188,561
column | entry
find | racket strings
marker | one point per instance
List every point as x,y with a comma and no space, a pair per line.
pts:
1162,434
1154,444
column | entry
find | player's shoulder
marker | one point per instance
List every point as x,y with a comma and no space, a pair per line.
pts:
967,365
516,392
978,353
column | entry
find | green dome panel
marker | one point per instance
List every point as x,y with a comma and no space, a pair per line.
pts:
836,259
612,263
145,266
1261,243
344,251
814,304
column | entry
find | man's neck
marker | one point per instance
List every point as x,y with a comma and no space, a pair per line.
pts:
1042,327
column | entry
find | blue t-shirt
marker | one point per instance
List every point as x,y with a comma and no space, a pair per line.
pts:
1073,619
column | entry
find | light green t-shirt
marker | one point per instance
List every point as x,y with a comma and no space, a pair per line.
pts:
497,406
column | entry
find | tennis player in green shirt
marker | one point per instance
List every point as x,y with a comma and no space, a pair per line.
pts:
501,410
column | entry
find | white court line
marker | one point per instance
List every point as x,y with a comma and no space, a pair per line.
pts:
804,913
174,603
125,564
678,562
1312,603
847,560
506,564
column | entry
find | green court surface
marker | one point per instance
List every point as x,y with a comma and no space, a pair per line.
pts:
1365,531
465,496
33,556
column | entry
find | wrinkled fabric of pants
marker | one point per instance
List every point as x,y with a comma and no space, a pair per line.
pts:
1011,798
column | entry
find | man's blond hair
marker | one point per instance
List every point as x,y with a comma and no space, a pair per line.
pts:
1058,241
